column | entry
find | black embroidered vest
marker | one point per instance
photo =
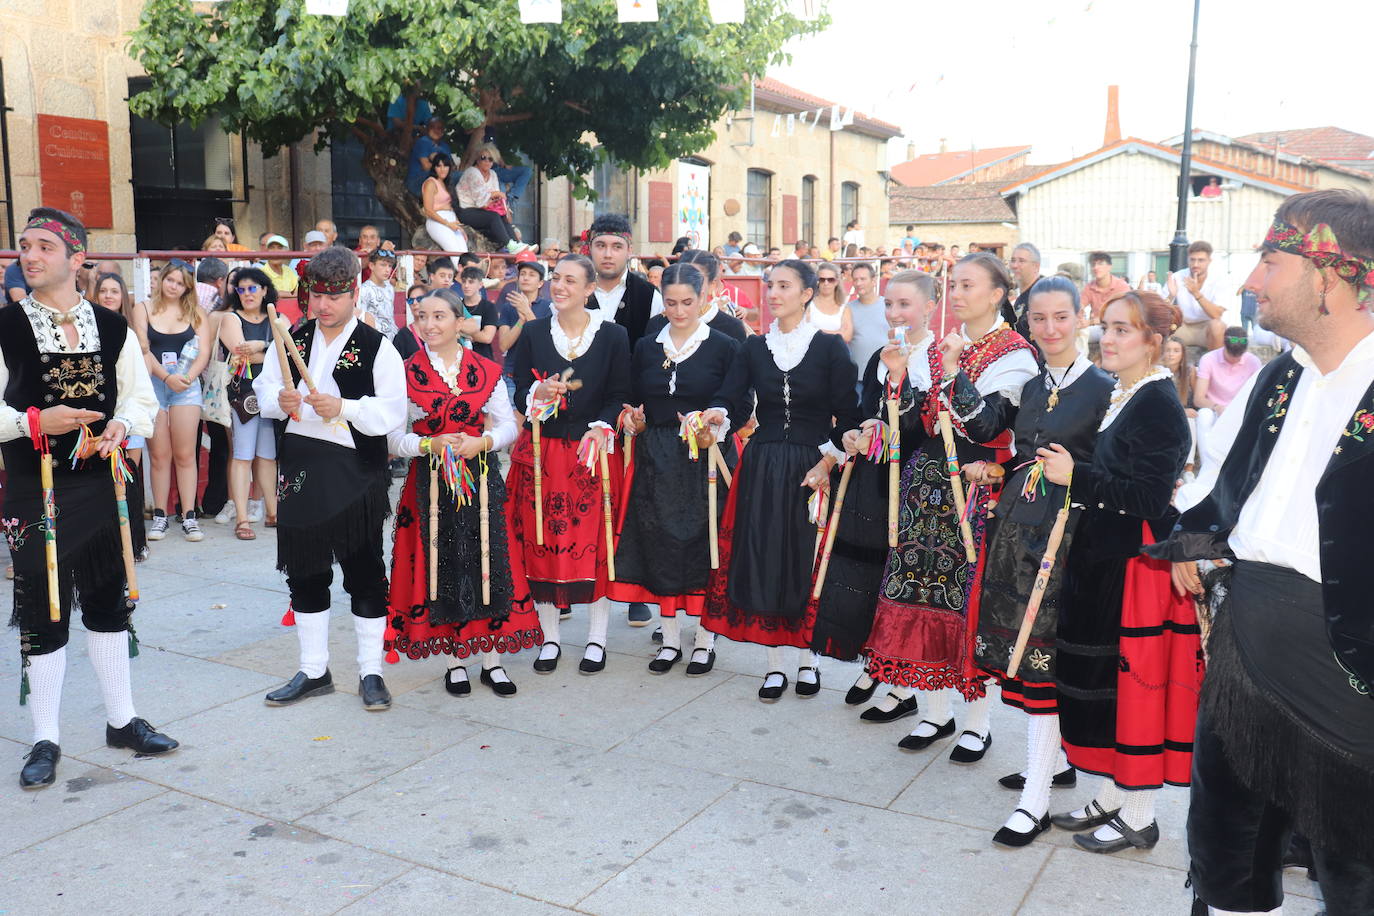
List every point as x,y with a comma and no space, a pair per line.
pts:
353,374
639,301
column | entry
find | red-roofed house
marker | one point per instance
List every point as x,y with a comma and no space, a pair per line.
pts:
1272,154
1335,145
946,167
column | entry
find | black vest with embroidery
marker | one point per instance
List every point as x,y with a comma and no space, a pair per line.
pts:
639,301
1345,504
353,373
84,380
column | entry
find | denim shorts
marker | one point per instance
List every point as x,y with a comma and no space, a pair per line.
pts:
254,439
137,442
166,397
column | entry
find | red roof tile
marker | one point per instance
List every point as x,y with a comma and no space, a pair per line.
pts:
969,202
934,168
1328,143
806,101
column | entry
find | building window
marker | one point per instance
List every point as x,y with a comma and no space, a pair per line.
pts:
760,206
353,201
849,204
612,183
808,209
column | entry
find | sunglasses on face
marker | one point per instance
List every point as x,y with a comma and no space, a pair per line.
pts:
178,262
248,290
411,300
1237,340
485,159
386,253
826,279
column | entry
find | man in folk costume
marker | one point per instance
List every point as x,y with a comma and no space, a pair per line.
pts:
65,364
332,461
1285,732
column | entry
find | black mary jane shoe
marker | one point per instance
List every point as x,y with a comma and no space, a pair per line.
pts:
139,737
903,709
1064,779
504,688
696,668
1129,839
587,666
372,691
921,742
1015,839
857,695
808,688
961,754
548,665
772,694
1095,817
458,688
657,635
41,769
299,688
662,664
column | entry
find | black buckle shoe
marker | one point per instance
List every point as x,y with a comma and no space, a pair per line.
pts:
504,688
696,668
1137,839
140,737
1096,816
961,754
857,695
772,694
587,666
661,663
41,769
299,688
921,742
903,709
808,688
548,665
457,687
372,690
1014,839
1064,779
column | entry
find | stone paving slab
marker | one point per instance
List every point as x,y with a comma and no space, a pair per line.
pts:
424,890
545,818
216,618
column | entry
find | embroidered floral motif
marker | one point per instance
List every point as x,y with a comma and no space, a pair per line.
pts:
1278,404
16,532
349,358
283,488
1039,660
1357,683
1361,423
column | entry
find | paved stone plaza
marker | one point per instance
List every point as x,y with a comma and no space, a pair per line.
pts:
619,793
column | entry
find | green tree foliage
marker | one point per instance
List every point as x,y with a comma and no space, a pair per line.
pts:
648,92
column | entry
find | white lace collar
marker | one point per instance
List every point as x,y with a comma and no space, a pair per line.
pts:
571,348
789,348
675,355
1122,396
917,363
996,326
448,373
711,312
48,333
1059,377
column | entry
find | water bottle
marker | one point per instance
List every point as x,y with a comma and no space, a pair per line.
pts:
188,356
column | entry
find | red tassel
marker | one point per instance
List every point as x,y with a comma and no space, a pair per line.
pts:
289,618
389,640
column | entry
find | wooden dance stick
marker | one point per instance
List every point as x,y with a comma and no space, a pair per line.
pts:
956,482
538,486
1042,580
719,460
283,336
126,541
606,515
282,359
711,477
894,474
834,526
485,526
50,535
433,529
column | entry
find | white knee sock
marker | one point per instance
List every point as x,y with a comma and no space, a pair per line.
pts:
864,681
548,622
775,661
808,659
937,711
894,695
598,618
313,632
109,653
1042,744
1137,812
492,665
977,714
369,630
46,673
705,640
1110,796
672,632
1061,759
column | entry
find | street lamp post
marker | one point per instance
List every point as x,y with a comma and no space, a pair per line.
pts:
1178,248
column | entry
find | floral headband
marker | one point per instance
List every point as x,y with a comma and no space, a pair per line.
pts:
58,229
1319,245
333,287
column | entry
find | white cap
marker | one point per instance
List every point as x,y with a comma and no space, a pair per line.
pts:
315,235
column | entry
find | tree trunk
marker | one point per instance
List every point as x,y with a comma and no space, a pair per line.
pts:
386,163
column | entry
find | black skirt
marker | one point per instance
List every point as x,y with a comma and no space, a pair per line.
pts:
844,611
328,504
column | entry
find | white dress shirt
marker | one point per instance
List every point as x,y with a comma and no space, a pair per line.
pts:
1213,290
405,444
615,298
1278,523
375,415
135,403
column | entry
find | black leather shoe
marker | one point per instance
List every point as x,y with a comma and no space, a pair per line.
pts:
1008,837
859,695
771,694
501,688
662,664
587,666
565,612
921,742
808,688
41,769
1130,839
657,635
300,687
961,754
140,737
1064,779
696,668
548,665
372,690
639,615
459,687
903,709
1096,817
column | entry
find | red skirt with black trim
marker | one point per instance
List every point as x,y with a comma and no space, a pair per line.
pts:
570,566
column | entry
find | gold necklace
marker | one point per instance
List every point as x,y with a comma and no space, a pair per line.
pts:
1054,390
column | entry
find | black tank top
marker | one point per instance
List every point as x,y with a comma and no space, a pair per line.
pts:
160,342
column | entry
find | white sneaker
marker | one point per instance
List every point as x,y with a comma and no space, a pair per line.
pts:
514,247
257,510
191,528
158,529
226,515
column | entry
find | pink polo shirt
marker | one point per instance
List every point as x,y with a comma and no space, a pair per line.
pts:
1225,378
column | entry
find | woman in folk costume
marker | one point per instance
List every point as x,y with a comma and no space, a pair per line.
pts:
804,383
459,595
923,630
853,572
664,552
1129,665
572,378
1064,405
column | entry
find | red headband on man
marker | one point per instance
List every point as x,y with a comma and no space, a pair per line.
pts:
333,288
58,229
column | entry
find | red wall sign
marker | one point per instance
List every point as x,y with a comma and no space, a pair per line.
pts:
74,166
660,212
